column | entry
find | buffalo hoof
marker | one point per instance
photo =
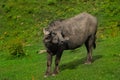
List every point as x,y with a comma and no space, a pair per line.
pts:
53,74
88,62
47,74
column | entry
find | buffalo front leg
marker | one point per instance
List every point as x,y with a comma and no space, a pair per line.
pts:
57,61
49,62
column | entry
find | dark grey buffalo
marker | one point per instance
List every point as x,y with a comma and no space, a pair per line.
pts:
69,34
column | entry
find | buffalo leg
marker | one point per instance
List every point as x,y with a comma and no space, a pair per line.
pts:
89,45
57,60
49,62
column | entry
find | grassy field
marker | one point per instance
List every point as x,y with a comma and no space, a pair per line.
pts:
22,22
105,66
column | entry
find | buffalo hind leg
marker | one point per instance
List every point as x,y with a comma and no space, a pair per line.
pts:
49,62
57,61
89,46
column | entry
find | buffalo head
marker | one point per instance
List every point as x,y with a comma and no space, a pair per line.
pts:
50,36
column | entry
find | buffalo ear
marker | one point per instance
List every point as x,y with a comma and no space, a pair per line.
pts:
45,31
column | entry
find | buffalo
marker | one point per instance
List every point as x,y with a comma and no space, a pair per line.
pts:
69,34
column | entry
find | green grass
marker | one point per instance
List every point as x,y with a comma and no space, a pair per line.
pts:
105,66
25,20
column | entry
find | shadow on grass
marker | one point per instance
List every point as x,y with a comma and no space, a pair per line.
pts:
74,64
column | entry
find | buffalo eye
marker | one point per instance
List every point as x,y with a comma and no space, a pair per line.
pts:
53,34
47,37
